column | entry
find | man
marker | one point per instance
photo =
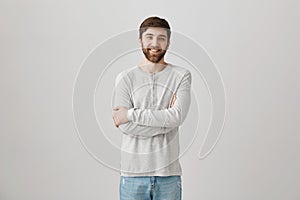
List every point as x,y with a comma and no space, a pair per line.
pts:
151,101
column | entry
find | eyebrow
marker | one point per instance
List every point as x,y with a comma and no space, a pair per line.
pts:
153,34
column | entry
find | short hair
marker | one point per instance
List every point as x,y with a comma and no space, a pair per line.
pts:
155,22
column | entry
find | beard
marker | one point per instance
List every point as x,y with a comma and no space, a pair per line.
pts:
154,57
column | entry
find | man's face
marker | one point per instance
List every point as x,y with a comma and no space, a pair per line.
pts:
154,43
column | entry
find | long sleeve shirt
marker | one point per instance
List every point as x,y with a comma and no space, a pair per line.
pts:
150,143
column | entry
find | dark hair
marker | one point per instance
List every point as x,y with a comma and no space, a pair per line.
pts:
155,22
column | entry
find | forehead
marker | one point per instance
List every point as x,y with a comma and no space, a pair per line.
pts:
156,31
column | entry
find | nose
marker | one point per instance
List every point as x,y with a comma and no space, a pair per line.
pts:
154,42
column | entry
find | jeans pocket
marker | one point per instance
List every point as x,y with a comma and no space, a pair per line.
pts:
179,183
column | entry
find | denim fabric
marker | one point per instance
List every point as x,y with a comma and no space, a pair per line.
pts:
150,188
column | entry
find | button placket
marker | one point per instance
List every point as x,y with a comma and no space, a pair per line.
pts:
152,89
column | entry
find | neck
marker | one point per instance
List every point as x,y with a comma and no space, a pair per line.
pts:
151,67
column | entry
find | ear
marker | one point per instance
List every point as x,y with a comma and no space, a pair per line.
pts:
139,40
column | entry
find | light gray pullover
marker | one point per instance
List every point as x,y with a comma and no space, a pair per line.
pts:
150,143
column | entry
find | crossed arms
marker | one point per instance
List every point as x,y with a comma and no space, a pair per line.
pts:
146,122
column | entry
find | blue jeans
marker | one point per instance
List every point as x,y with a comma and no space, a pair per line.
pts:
150,188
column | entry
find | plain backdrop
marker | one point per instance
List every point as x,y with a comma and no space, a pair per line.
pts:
255,45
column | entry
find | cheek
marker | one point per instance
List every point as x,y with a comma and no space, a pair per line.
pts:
145,44
164,46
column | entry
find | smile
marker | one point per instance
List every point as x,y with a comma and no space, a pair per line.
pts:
154,50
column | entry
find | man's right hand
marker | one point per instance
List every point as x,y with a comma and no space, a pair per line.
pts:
173,100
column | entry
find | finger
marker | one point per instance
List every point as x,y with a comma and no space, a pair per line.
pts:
116,108
173,100
114,121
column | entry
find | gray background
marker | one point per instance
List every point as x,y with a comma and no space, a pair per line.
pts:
255,45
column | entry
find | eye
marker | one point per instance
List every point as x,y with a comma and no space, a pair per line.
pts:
161,39
149,37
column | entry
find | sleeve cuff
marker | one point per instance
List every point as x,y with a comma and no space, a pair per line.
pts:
130,114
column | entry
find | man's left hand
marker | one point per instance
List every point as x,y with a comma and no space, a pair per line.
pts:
120,115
